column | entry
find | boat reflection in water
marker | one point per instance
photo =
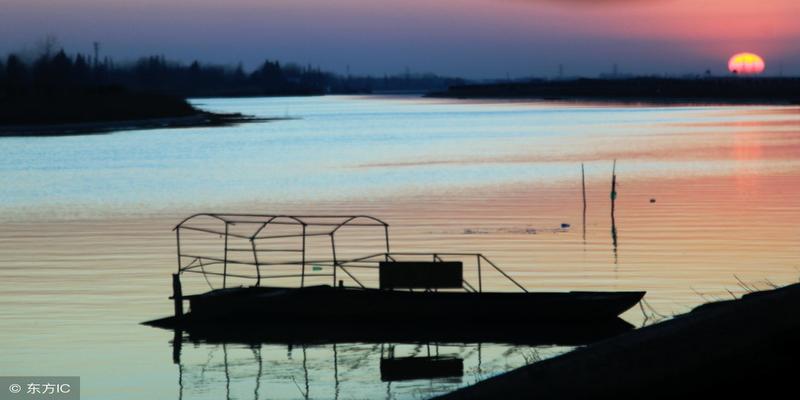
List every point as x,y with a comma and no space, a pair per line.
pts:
367,361
425,367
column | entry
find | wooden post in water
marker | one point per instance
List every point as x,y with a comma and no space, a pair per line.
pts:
177,295
613,201
583,188
613,187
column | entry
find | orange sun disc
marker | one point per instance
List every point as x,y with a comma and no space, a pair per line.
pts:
746,64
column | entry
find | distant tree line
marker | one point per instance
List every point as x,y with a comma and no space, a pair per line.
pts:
54,87
59,72
734,89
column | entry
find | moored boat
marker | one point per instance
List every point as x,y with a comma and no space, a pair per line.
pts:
411,287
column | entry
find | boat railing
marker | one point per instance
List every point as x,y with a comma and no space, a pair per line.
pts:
202,265
480,260
243,236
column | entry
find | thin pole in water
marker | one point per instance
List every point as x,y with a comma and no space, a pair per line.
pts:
583,188
613,187
613,208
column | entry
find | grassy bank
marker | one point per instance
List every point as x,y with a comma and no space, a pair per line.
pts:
745,347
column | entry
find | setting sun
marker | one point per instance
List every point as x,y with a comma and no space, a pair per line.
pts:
746,64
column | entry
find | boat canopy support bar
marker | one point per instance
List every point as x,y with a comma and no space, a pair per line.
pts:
253,228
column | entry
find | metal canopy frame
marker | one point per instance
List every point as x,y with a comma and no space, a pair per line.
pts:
322,225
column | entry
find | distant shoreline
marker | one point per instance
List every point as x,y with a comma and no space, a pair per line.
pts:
640,101
648,91
201,119
635,101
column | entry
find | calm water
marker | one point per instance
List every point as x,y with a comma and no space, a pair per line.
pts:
86,248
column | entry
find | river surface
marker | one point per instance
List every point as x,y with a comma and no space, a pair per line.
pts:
708,207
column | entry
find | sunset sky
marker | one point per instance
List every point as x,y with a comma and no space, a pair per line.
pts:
471,38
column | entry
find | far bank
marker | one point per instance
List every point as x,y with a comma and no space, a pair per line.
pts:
648,90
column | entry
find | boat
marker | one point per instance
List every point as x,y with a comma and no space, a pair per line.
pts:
296,254
320,333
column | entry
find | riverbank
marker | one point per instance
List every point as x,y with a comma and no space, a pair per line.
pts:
93,110
727,348
695,91
201,119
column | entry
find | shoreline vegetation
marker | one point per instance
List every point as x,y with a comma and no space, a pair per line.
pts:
645,90
723,349
54,93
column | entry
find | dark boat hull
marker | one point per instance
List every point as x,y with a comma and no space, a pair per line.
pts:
325,304
297,333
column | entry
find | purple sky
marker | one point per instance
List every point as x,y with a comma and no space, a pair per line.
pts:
472,38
